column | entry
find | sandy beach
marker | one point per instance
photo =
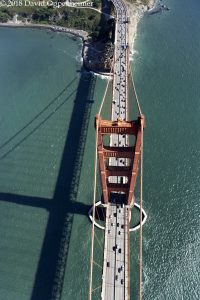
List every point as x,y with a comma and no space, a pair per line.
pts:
136,12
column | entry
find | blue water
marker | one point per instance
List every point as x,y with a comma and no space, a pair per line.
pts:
47,144
167,72
46,161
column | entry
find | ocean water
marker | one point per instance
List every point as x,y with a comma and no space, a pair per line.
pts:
47,142
167,71
48,104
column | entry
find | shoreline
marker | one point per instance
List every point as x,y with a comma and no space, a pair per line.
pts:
76,32
135,11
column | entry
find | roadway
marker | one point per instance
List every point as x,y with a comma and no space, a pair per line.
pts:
116,253
120,75
115,279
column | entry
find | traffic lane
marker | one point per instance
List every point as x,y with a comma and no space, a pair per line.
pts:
120,256
119,289
109,282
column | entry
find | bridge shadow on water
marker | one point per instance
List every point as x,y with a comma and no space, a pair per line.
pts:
49,278
51,267
36,122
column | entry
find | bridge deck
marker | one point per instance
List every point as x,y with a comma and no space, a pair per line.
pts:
120,76
116,254
116,271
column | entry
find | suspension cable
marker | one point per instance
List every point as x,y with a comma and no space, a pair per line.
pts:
94,230
93,217
102,209
98,241
94,197
96,211
111,71
96,288
136,96
98,265
141,197
104,96
93,234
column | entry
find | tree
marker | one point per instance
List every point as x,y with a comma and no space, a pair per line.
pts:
96,3
41,14
4,17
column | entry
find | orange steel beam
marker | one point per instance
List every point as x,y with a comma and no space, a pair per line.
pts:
118,172
118,152
118,127
106,127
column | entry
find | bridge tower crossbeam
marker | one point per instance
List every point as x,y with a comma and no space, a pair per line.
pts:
132,154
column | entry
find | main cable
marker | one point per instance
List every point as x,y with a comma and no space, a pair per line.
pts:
93,216
136,96
141,198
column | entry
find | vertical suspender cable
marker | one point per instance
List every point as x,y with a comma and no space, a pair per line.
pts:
94,198
136,96
104,97
141,196
93,217
111,72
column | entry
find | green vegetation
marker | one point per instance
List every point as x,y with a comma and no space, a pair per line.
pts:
78,18
4,17
97,3
85,18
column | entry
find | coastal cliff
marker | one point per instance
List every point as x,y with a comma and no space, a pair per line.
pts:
98,55
95,25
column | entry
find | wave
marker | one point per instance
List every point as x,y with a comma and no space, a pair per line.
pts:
78,57
103,77
146,276
133,54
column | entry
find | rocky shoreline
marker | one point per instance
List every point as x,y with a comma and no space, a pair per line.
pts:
135,11
78,33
